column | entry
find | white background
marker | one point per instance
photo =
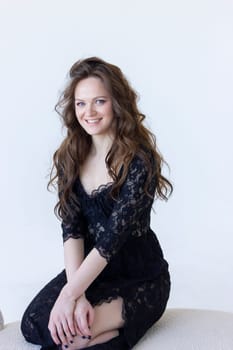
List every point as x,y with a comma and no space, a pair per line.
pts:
178,55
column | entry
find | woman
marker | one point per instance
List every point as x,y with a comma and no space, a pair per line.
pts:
116,281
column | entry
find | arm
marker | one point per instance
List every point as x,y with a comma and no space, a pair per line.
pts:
84,312
73,256
73,231
90,268
66,311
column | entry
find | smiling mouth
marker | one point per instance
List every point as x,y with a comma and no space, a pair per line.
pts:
93,121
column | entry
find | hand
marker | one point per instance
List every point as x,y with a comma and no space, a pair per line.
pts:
84,316
61,321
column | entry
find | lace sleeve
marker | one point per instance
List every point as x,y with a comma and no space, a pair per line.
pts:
130,207
73,228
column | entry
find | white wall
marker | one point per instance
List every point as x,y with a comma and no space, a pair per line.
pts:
178,55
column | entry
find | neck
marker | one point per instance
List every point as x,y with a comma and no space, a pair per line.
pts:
101,145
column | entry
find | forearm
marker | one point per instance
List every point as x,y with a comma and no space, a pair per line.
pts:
73,256
90,268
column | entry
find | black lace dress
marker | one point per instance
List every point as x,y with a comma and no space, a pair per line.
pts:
136,270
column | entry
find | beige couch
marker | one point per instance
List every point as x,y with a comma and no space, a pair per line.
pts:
178,329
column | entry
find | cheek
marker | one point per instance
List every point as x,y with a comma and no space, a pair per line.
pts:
109,112
78,114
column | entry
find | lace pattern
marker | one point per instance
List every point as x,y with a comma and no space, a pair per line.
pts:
129,216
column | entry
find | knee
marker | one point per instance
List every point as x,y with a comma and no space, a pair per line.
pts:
29,328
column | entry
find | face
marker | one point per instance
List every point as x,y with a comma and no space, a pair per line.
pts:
93,107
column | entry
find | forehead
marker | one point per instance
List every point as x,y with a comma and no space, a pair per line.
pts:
90,87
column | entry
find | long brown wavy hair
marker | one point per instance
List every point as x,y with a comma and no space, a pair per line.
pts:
131,137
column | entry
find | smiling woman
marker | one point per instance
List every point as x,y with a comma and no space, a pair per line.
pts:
116,282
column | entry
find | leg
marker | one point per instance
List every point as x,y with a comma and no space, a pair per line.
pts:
34,324
104,327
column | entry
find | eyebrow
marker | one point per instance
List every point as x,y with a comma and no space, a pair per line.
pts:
94,98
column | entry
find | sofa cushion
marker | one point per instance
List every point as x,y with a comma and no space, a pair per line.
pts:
178,329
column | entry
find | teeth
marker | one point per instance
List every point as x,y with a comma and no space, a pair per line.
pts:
92,121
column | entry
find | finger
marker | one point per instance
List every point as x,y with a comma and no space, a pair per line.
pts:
91,316
67,330
61,334
71,325
77,330
76,324
79,325
53,332
83,324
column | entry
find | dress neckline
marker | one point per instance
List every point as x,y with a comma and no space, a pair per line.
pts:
96,191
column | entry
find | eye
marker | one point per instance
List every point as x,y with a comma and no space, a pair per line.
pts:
100,101
80,104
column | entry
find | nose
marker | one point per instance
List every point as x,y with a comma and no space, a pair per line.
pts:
90,110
